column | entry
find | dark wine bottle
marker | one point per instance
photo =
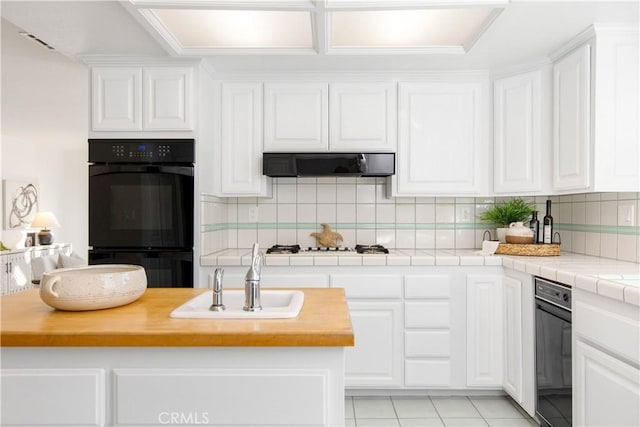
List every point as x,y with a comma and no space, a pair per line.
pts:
547,225
534,225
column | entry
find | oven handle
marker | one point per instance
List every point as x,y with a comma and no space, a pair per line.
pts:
553,310
96,170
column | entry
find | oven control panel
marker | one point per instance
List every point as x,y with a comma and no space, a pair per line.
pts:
141,150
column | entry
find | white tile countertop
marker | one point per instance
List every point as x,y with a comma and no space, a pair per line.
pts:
615,279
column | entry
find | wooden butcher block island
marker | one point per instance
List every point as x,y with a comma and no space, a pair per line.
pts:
134,365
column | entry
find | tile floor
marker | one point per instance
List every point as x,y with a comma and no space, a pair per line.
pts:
434,411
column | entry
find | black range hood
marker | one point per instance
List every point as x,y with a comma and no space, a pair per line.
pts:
328,164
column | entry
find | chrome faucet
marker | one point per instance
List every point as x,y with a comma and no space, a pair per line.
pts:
252,281
217,304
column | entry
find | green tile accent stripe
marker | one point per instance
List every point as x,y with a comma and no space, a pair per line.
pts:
607,229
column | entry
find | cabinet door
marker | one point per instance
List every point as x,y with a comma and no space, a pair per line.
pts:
362,117
606,390
512,330
376,359
116,99
571,120
168,98
484,330
442,141
53,397
241,148
295,117
517,133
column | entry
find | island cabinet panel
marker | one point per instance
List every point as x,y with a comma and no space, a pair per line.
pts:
212,396
53,397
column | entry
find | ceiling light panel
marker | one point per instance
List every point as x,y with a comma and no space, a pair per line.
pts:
233,29
424,28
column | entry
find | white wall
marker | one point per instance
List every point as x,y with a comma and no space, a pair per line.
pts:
45,103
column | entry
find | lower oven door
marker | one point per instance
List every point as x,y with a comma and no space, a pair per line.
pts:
165,269
553,364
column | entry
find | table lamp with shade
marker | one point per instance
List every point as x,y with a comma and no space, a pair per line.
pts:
45,220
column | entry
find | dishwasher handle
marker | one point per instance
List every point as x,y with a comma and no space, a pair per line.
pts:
554,310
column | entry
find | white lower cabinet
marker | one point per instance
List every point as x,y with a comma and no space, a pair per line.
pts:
484,330
434,331
376,358
518,339
53,397
606,378
376,316
606,389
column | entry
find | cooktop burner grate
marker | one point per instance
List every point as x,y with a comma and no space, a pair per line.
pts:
284,249
371,249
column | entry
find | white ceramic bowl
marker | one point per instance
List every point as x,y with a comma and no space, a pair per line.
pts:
94,287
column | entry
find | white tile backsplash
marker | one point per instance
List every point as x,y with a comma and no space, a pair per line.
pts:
385,214
598,224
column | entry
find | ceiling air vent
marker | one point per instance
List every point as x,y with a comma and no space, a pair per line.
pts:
34,38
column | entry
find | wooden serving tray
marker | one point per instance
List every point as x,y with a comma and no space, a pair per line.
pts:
528,250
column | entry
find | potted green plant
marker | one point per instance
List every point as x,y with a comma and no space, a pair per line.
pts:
504,213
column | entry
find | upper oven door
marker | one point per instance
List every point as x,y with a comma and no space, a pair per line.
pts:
140,206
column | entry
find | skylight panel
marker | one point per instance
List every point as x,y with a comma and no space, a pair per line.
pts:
228,29
425,28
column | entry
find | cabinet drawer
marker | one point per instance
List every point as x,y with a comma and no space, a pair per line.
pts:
427,343
427,286
427,373
368,285
207,396
427,314
595,324
53,397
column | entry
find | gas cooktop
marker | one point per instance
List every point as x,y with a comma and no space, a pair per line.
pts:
296,249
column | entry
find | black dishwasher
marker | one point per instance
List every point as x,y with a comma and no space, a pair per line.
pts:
553,353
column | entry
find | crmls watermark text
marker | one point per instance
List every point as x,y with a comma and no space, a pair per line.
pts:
190,418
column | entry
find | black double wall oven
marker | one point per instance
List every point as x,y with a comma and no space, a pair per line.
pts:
141,201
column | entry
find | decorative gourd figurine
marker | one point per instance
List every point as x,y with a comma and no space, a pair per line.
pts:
328,237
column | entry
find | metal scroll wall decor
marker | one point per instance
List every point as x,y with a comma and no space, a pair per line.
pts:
20,204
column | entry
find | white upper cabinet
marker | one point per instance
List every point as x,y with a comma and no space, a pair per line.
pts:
321,117
241,148
142,99
571,120
442,138
596,143
362,116
296,117
168,98
520,142
116,95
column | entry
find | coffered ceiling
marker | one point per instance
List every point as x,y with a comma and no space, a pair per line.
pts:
271,35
